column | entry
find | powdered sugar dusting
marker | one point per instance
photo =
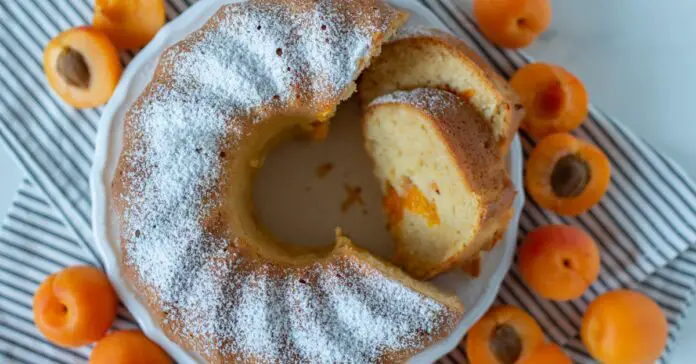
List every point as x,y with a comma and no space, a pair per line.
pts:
254,58
429,99
326,314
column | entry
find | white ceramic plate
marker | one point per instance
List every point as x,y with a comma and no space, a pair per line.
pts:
287,181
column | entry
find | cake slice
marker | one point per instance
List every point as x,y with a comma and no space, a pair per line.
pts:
422,57
447,195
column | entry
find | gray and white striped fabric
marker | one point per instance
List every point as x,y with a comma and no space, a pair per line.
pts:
35,241
645,225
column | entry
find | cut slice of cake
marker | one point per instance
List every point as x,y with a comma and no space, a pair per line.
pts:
446,192
422,57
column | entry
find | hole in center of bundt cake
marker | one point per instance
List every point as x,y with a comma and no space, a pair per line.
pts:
306,188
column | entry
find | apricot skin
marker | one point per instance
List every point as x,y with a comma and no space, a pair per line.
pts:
128,347
512,23
546,354
75,306
624,326
559,262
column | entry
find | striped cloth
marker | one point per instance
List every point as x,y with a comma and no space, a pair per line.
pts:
645,225
35,241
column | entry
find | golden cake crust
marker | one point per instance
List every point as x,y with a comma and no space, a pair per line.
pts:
501,104
216,283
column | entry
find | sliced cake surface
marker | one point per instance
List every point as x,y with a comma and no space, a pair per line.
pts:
446,192
423,57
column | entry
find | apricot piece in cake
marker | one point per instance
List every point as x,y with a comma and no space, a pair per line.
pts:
512,23
554,99
504,335
567,175
127,347
75,306
82,67
624,326
130,24
559,262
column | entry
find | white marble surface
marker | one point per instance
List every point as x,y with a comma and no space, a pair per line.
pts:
638,61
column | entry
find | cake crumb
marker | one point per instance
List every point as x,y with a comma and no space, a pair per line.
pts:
353,196
435,187
324,169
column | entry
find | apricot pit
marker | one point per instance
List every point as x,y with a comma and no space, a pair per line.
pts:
72,67
82,66
570,176
506,344
503,335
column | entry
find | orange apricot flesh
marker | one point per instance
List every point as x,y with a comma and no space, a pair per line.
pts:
82,66
416,202
567,175
413,200
624,326
75,306
503,336
393,207
554,99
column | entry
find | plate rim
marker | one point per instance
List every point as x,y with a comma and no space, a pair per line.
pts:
99,180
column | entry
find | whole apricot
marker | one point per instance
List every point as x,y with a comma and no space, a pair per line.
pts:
503,336
546,354
559,262
567,175
512,23
75,306
130,24
624,326
128,347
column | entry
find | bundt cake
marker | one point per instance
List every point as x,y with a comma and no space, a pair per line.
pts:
218,285
446,192
422,57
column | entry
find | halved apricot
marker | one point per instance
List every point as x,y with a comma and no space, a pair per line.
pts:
559,262
554,99
504,335
82,66
75,306
130,24
624,326
512,23
127,347
567,175
546,354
